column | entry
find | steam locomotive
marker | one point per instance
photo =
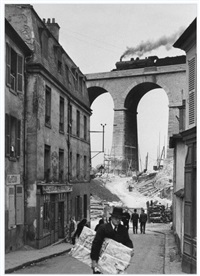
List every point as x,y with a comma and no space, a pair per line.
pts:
149,62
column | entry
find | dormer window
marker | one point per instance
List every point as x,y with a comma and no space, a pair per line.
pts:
44,38
75,77
59,67
59,60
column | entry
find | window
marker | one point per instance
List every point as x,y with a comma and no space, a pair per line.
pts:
59,62
191,83
48,106
75,77
85,127
83,85
44,44
67,73
61,123
80,83
78,123
47,152
78,166
59,67
12,137
16,206
70,119
85,167
14,69
61,165
77,80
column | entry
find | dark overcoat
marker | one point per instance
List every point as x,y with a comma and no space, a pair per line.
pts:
143,218
106,231
135,217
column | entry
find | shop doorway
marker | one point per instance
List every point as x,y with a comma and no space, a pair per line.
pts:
61,220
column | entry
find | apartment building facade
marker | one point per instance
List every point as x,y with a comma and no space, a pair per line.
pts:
57,124
184,144
15,92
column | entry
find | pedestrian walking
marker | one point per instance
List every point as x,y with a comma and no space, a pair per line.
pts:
134,219
113,230
72,228
101,221
143,220
126,218
79,229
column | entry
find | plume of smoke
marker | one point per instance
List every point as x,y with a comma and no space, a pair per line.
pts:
148,46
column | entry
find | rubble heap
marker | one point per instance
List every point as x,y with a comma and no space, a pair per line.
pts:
157,183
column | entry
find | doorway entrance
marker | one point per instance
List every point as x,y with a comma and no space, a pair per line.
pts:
61,220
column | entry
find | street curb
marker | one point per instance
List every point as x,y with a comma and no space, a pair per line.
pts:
10,270
165,251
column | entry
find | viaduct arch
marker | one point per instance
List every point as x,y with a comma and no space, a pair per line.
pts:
127,87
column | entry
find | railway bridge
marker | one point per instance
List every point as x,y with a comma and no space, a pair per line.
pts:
127,84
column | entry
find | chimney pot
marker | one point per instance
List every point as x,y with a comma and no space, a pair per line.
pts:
53,27
44,20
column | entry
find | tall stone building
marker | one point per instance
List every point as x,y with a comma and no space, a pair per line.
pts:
56,129
185,158
15,93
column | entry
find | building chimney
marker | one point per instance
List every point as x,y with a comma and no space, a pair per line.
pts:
53,27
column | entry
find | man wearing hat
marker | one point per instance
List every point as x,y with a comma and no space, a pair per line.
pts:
112,230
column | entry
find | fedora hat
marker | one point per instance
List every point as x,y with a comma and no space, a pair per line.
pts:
117,212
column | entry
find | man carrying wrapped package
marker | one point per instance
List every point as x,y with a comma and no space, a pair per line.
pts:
113,230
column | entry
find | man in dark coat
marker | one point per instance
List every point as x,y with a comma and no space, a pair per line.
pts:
126,218
143,220
112,230
135,218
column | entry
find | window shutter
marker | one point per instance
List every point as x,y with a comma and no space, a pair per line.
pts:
19,205
191,83
8,65
7,134
11,219
18,140
19,73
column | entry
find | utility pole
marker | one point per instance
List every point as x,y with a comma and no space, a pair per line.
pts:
146,162
103,125
103,133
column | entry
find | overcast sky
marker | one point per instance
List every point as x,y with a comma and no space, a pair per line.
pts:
95,35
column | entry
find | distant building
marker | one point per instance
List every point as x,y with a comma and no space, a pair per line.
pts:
184,144
15,96
57,147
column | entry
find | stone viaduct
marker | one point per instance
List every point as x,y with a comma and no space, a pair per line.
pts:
127,87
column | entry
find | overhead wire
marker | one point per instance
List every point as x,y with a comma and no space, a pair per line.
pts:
88,41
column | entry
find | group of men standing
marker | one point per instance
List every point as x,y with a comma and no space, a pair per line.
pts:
135,217
142,219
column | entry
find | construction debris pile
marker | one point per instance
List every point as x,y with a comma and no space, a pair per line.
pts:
157,183
134,192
